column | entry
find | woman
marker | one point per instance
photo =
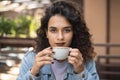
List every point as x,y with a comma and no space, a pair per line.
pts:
61,26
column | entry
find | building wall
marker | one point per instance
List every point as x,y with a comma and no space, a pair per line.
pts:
115,25
95,12
95,16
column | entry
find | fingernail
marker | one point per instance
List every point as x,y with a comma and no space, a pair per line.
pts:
53,52
69,54
50,47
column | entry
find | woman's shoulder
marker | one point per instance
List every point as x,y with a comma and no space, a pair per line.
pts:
29,55
29,58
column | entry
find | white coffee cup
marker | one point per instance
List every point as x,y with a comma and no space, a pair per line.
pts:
61,53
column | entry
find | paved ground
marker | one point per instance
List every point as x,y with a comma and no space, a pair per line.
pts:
10,63
9,73
9,66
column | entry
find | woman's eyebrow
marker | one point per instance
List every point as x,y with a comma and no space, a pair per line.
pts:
68,27
52,27
64,27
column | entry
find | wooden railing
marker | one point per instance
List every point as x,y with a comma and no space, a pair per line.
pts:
15,42
109,70
107,46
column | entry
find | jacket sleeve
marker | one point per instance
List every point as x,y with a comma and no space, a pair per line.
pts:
26,65
89,73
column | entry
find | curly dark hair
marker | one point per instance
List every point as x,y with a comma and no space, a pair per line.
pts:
81,36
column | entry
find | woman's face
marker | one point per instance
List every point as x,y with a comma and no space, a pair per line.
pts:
59,31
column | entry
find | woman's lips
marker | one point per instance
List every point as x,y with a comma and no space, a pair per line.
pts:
60,44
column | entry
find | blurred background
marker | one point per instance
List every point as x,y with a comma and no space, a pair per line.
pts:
19,20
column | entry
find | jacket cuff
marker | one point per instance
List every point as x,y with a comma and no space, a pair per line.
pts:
32,77
82,75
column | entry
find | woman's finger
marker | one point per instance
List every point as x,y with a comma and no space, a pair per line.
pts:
44,58
47,51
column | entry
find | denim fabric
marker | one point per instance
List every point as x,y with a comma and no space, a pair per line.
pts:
46,72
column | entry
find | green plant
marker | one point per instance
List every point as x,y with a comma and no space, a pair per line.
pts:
33,27
6,26
22,24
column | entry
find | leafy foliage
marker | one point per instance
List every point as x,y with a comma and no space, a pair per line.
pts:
6,26
19,27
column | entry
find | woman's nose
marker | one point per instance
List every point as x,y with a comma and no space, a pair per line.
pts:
60,36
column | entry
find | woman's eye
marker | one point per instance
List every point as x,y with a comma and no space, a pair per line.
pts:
52,30
67,30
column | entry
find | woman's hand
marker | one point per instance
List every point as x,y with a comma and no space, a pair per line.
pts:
42,58
75,58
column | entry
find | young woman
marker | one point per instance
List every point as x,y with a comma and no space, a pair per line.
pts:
61,26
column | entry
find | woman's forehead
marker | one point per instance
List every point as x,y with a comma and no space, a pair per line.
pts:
58,20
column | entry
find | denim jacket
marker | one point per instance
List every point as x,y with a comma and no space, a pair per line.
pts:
46,73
